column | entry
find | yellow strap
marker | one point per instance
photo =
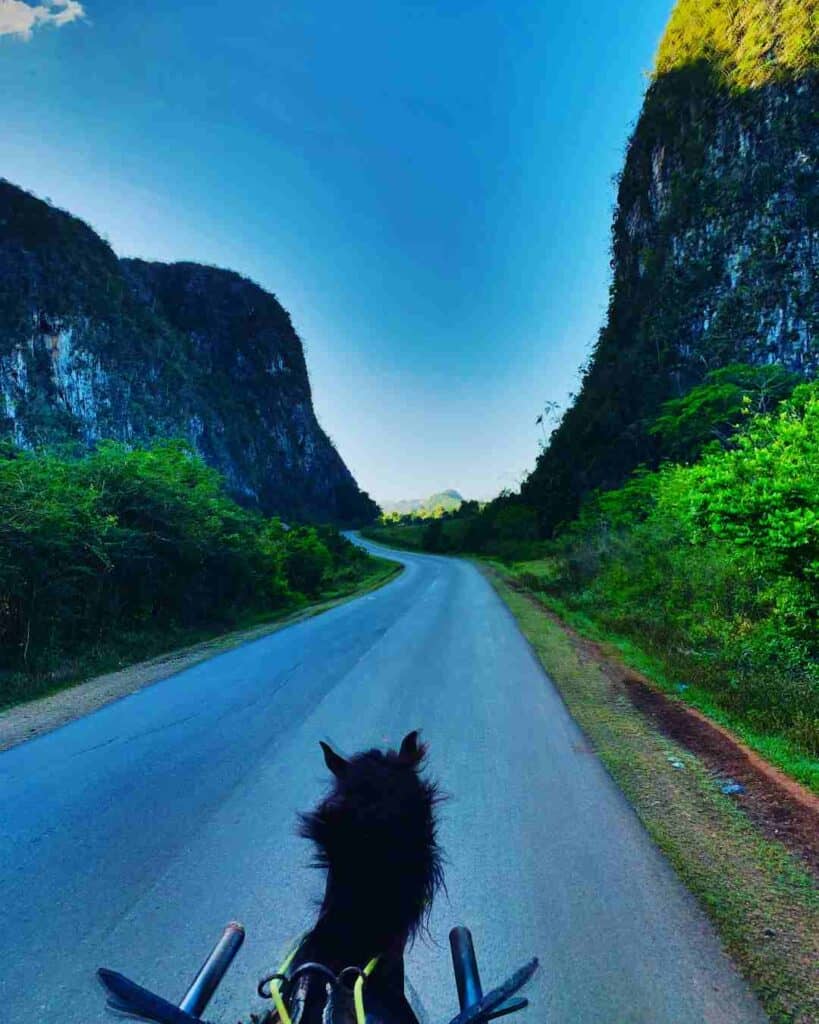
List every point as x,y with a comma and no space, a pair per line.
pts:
276,992
281,1009
358,989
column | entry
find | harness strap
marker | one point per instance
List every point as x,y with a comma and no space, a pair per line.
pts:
358,989
275,990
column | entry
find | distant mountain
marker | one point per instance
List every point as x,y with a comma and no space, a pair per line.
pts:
95,347
450,501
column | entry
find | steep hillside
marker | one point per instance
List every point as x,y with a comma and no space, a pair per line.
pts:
715,238
95,347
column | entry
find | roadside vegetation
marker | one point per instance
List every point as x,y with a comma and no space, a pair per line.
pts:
761,897
707,568
115,556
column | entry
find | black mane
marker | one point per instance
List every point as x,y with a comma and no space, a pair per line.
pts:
375,835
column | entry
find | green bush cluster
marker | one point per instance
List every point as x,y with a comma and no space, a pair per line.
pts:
713,411
714,567
505,528
125,543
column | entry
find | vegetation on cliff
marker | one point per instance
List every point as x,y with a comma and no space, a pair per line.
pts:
712,412
747,42
714,568
123,552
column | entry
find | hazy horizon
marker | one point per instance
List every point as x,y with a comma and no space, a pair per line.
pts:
425,186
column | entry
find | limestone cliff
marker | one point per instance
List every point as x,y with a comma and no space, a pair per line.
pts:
715,238
95,347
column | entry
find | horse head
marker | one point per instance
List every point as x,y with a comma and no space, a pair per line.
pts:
374,835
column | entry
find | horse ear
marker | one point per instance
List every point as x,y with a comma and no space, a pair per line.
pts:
411,751
335,762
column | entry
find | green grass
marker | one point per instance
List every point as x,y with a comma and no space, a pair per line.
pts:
762,901
138,646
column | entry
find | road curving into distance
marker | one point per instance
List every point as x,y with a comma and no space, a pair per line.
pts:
131,836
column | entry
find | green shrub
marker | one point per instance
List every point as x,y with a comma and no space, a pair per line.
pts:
714,568
434,538
306,560
713,411
97,551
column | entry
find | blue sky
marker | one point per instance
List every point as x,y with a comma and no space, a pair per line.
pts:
425,184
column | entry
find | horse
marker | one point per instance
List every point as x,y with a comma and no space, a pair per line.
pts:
375,837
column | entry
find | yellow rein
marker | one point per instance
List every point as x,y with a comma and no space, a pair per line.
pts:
276,992
358,990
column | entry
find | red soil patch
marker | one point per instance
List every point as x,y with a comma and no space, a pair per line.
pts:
782,808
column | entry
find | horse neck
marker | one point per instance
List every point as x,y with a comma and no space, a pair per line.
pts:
345,934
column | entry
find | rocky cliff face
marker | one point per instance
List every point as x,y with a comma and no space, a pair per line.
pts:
94,347
715,239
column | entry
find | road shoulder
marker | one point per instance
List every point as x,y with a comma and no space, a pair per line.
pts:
34,718
761,895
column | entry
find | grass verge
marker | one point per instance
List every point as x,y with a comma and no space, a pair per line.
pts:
158,657
764,903
774,747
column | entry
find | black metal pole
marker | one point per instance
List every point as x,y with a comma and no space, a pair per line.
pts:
465,964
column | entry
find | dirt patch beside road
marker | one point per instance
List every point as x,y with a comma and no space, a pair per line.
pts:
782,808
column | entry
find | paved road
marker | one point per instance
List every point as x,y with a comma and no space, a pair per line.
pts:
131,836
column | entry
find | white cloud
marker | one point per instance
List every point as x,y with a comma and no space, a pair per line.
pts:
20,19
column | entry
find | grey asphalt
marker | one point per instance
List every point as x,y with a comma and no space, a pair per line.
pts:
131,836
